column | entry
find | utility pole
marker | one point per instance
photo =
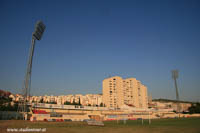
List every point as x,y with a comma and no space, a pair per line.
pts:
149,118
23,105
175,76
142,119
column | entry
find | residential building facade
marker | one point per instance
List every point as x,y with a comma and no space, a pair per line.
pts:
118,92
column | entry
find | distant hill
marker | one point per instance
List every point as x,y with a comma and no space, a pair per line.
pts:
169,100
5,93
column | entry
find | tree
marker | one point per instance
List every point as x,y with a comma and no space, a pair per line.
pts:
41,101
67,103
195,108
53,102
101,105
79,102
74,103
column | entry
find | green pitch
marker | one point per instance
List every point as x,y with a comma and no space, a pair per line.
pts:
178,125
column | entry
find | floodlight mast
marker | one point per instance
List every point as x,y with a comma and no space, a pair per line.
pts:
37,35
175,76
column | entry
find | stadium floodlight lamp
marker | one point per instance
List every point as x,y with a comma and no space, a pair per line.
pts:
39,29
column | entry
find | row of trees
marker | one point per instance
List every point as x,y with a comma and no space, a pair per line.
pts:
169,100
42,101
73,103
5,104
9,107
79,103
69,103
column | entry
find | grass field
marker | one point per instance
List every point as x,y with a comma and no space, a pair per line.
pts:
181,125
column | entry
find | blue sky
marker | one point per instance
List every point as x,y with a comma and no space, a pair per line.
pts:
87,41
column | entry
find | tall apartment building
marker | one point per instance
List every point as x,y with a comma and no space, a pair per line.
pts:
118,92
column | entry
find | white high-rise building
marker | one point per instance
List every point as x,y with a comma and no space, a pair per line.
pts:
118,92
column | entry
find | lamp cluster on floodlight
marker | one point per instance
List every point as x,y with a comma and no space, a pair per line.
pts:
39,29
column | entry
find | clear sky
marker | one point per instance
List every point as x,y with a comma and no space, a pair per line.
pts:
87,41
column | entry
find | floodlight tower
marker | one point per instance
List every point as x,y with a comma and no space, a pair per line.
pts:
37,35
175,76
